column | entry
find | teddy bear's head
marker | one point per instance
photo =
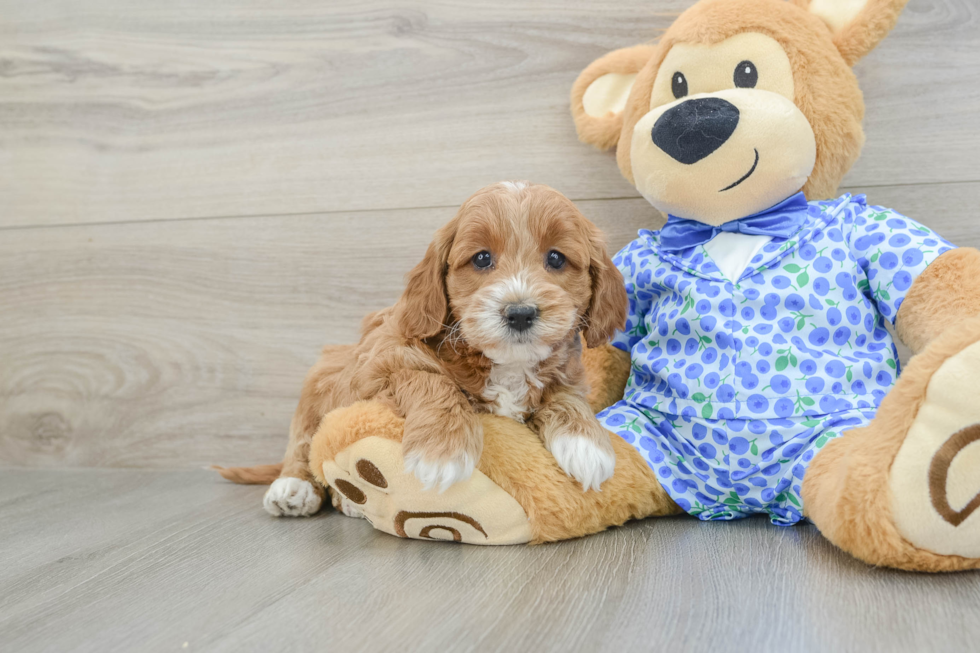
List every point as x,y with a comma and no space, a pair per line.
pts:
739,105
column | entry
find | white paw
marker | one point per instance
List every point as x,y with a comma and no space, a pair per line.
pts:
440,473
292,497
583,459
350,508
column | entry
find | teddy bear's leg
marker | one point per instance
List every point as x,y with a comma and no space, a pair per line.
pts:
904,490
518,494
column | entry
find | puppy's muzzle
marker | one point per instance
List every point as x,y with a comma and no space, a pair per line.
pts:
694,129
520,317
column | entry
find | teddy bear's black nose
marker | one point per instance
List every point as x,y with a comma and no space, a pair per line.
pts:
694,129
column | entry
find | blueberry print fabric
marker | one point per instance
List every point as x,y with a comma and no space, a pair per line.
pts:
782,359
728,469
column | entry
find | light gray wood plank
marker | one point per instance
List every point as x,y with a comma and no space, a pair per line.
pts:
112,560
175,343
163,344
117,111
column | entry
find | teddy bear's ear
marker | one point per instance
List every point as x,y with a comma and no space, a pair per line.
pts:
858,25
600,93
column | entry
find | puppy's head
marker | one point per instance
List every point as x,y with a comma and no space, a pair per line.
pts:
517,271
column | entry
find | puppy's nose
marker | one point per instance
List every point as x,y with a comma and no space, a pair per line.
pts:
694,129
520,317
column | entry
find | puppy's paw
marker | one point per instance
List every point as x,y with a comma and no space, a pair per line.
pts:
291,497
584,459
350,509
441,473
344,505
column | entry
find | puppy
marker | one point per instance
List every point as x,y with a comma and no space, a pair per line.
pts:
489,323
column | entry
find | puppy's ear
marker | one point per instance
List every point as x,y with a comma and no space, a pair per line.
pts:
599,94
609,303
423,307
858,25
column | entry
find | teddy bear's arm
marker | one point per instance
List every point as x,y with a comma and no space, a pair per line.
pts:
607,369
946,292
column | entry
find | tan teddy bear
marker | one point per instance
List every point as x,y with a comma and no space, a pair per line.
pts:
755,374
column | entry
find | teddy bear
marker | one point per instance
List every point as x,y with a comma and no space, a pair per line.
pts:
755,373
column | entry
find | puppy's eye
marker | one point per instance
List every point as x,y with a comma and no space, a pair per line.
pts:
678,84
555,260
746,76
482,260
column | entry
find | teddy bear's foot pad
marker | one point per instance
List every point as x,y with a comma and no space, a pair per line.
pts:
935,478
371,475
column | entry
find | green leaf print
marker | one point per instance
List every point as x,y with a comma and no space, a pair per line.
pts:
821,441
891,363
884,295
781,363
792,267
802,279
754,449
688,304
706,411
796,502
800,324
809,423
807,401
792,360
849,375
698,397
874,257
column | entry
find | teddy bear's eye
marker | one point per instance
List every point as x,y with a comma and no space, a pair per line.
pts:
678,84
746,76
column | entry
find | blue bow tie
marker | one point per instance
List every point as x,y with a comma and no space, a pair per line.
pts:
780,221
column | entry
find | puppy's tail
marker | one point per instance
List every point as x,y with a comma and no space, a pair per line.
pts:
257,475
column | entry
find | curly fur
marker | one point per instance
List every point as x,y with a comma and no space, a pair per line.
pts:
435,358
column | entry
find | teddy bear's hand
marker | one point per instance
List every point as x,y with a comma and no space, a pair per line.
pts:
607,370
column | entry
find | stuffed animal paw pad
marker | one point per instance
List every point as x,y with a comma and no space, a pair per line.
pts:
370,475
935,478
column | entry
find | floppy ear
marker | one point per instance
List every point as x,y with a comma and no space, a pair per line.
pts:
609,303
599,94
858,25
422,309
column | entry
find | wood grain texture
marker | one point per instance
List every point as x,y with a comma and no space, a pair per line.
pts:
167,344
186,342
153,559
197,195
121,111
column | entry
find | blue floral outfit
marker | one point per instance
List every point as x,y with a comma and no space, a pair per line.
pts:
736,385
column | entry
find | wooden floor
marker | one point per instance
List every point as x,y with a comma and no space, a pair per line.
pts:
195,195
126,560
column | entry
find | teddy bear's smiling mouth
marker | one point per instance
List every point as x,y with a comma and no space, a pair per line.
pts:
746,175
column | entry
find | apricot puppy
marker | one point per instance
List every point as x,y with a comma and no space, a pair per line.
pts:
490,321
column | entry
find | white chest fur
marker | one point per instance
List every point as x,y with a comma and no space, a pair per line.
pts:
732,252
507,388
